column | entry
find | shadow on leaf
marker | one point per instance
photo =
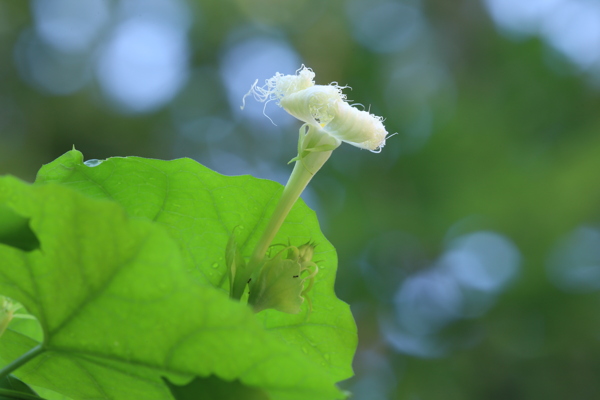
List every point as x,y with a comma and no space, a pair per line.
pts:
15,230
213,388
12,388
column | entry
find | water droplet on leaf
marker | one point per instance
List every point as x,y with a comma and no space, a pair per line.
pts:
215,265
92,163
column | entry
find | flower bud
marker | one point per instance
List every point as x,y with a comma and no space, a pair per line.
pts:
281,282
278,286
317,105
357,127
305,253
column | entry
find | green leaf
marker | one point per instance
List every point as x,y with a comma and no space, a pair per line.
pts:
13,388
213,388
200,209
119,308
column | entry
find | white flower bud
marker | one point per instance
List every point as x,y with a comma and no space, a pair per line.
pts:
324,107
358,128
316,105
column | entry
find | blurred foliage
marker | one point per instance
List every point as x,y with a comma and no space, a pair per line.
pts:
496,133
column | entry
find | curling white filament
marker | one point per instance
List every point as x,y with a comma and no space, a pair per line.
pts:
324,107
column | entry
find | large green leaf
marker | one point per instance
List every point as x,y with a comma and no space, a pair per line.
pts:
200,208
119,309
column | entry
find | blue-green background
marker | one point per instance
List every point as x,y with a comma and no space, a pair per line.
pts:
469,247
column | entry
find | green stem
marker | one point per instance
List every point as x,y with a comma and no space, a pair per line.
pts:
24,359
314,149
307,165
295,186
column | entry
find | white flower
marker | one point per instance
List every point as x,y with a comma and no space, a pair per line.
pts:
323,107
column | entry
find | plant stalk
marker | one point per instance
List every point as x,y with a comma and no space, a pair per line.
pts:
295,186
22,360
308,163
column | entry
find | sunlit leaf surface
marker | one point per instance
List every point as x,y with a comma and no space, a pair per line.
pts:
132,292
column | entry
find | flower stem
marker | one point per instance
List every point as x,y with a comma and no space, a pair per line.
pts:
308,163
295,186
24,359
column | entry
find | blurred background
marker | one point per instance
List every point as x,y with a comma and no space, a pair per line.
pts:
469,247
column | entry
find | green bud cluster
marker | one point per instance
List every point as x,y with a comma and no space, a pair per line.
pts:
281,282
